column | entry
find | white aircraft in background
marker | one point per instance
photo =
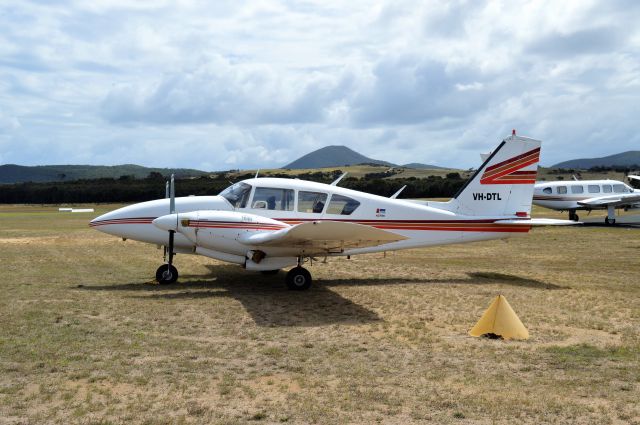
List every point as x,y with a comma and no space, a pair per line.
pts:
587,195
265,224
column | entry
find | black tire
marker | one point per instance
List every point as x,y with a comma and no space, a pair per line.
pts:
573,216
166,274
270,272
609,221
298,279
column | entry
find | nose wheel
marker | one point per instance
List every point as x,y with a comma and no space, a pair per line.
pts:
298,279
166,273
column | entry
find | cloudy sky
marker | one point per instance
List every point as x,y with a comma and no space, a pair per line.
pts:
234,84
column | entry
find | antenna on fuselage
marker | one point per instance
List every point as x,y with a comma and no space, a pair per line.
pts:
395,195
257,172
336,181
573,176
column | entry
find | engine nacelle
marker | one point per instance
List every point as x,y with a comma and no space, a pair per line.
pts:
220,230
271,263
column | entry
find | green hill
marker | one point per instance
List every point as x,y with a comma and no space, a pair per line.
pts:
420,166
11,173
333,156
624,159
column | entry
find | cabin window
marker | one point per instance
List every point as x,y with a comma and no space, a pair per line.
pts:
237,194
311,202
562,190
577,189
606,188
270,198
594,188
342,205
547,190
619,188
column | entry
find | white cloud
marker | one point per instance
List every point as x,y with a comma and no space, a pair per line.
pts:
256,84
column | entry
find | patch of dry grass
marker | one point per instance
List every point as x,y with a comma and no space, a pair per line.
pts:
85,338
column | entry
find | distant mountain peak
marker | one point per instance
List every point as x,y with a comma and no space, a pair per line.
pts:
333,156
624,159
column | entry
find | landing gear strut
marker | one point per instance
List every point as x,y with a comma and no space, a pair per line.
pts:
298,279
573,216
611,215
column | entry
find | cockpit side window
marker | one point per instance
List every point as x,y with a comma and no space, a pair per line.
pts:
342,205
547,190
311,202
619,188
237,194
271,198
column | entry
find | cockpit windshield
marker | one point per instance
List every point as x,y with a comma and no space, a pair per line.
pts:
237,194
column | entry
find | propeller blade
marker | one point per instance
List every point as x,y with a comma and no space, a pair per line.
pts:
172,210
172,196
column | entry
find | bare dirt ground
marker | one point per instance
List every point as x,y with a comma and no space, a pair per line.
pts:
85,337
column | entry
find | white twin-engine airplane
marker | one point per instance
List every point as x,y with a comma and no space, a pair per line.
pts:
265,224
587,195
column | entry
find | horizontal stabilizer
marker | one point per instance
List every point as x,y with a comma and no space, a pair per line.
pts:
538,222
325,236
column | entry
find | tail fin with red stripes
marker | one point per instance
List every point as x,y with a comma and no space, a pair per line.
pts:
503,185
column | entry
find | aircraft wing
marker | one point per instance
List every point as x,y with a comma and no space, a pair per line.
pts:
616,200
325,236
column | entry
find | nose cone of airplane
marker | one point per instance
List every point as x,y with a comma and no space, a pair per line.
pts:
104,222
167,222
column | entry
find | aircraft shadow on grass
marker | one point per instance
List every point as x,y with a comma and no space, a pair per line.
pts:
269,303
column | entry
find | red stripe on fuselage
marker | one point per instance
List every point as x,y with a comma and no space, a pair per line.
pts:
485,225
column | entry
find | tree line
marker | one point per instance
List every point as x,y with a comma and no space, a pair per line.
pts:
130,189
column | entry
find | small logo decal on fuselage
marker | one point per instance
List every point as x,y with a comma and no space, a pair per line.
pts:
381,212
491,196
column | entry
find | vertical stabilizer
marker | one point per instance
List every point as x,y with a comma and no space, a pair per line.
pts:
504,184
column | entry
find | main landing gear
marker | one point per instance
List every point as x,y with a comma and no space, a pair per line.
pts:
166,273
298,279
611,215
573,216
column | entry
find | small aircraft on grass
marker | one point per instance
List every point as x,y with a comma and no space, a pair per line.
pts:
266,224
587,195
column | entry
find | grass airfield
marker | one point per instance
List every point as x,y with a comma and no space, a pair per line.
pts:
85,337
